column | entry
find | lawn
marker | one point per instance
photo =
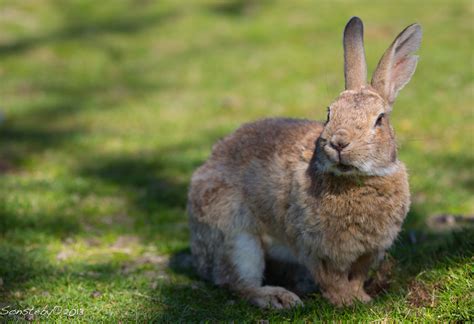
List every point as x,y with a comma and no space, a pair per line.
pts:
107,107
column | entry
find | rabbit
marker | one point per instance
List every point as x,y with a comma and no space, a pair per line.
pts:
330,196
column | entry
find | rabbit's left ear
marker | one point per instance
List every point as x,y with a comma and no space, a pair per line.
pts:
398,64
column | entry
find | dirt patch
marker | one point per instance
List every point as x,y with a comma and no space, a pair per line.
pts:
64,255
125,242
380,281
421,294
122,219
158,262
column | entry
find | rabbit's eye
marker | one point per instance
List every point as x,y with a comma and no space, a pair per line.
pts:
379,120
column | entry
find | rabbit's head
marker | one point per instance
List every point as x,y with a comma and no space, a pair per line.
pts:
357,137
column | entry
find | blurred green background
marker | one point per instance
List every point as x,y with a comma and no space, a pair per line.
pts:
106,108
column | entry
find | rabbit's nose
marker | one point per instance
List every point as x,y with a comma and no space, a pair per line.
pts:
339,142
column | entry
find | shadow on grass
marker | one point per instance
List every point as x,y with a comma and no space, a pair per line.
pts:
42,128
237,8
40,223
20,265
19,144
155,184
140,175
80,26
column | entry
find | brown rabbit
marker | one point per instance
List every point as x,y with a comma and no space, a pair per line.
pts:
330,196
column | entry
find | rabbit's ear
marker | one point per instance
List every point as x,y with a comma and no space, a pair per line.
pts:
398,63
355,67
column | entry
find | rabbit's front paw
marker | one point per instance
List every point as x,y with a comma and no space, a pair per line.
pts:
346,297
357,289
339,299
274,297
363,297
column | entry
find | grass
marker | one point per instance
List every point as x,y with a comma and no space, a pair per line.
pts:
108,107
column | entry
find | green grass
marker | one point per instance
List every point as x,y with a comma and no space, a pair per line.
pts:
108,107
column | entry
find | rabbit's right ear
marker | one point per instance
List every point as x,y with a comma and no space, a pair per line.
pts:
355,66
398,64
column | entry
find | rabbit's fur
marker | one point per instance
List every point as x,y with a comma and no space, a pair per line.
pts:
331,197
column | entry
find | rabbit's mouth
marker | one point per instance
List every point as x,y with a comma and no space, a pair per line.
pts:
345,167
341,169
